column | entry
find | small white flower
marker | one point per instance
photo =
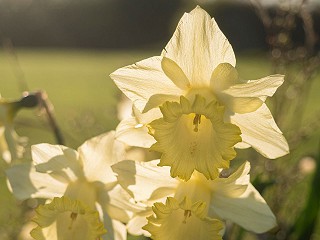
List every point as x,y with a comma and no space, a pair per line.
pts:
233,198
83,175
64,218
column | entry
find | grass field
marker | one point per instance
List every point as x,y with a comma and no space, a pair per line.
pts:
77,83
84,97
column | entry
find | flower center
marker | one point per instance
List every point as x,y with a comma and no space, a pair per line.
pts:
194,225
187,214
73,217
52,218
196,122
186,146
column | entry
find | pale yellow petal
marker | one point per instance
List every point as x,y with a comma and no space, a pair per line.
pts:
157,99
25,182
223,78
234,185
140,81
118,231
261,132
57,159
98,154
135,226
132,133
198,46
249,210
118,203
261,88
241,105
145,179
175,73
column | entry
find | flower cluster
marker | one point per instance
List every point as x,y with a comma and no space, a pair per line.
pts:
191,100
190,106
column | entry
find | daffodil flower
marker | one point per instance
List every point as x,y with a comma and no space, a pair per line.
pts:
189,221
64,218
199,61
232,198
83,175
134,130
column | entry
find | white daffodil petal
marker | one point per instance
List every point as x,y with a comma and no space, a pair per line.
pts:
175,73
242,145
134,134
261,88
26,183
241,105
135,225
157,99
98,154
119,231
261,132
145,118
144,179
115,229
223,76
118,204
248,210
234,185
198,46
56,159
134,130
144,79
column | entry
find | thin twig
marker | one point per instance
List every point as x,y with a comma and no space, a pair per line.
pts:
46,105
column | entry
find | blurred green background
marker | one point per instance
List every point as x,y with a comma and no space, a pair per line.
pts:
69,48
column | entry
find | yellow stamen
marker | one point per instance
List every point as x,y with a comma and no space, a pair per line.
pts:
73,217
196,122
187,214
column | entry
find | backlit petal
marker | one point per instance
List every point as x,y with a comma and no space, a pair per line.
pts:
134,130
135,226
97,156
261,132
198,46
223,78
25,182
145,180
248,210
234,185
261,88
144,79
175,73
57,159
134,134
118,204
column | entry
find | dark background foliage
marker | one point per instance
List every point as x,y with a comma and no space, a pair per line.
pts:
123,23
